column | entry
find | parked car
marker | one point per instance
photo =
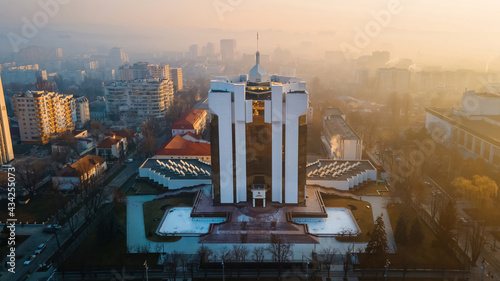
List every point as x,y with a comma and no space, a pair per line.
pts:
130,160
30,259
51,228
44,266
40,248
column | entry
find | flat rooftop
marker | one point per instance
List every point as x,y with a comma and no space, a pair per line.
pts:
187,169
480,128
336,125
337,170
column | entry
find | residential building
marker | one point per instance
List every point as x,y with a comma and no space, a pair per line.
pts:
176,77
141,70
159,71
25,74
339,139
117,57
187,146
193,121
393,80
112,147
43,115
97,110
82,172
475,128
258,132
6,151
82,111
228,49
139,99
125,73
193,52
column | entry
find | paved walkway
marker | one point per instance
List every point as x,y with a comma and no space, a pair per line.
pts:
379,206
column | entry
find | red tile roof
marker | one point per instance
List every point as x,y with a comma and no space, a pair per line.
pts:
128,134
109,141
187,120
179,146
198,137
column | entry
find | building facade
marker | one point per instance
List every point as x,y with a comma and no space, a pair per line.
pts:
187,146
6,151
43,115
193,121
475,128
258,131
84,171
339,139
139,99
117,57
228,49
393,80
82,111
176,77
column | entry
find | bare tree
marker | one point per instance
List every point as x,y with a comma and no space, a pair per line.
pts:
184,260
97,130
477,238
280,251
239,254
258,258
206,255
326,257
30,173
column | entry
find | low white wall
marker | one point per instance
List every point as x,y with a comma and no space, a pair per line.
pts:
345,184
168,182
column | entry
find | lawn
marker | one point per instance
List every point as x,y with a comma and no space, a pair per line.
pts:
154,211
94,254
363,215
37,210
432,253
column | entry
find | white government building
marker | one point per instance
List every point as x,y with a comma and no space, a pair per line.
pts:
258,137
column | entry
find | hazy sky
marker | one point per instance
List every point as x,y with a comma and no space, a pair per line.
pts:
432,29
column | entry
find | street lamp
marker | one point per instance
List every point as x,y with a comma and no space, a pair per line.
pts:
223,274
307,271
387,263
146,268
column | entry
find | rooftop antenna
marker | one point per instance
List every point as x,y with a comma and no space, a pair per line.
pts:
257,41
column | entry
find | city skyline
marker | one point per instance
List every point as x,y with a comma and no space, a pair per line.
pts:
432,33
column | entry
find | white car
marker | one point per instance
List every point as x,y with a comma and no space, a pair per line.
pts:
29,260
130,160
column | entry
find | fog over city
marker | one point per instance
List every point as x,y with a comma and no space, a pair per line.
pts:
455,34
